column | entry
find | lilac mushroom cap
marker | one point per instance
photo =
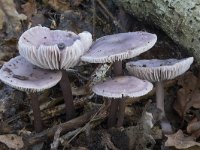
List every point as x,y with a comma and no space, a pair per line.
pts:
158,70
123,86
53,49
24,76
120,46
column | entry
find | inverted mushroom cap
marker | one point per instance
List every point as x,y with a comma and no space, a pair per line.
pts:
53,49
119,47
123,86
24,76
158,70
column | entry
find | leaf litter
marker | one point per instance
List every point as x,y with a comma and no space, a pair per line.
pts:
100,19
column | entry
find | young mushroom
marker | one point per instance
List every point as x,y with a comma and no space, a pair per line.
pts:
156,70
22,75
122,87
115,48
55,50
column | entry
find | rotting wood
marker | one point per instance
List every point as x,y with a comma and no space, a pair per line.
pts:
180,19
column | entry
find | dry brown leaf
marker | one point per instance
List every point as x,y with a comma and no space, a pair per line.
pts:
59,5
193,128
29,8
179,141
10,16
180,103
189,95
188,81
12,141
196,98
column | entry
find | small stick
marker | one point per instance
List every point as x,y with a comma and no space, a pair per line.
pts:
93,18
111,16
66,126
56,141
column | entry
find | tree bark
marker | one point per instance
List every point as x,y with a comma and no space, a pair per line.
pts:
180,19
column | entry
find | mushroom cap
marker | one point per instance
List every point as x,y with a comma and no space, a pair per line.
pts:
158,70
123,86
53,49
119,46
24,76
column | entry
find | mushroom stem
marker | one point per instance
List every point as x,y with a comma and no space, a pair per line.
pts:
112,113
121,112
67,94
36,112
117,68
160,98
165,124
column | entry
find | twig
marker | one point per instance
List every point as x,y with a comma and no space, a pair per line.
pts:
93,18
106,140
88,124
56,141
66,126
116,23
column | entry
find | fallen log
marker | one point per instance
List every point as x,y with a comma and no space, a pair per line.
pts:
180,19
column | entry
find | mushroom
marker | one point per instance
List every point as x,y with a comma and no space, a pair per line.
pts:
115,48
122,87
156,70
22,75
55,50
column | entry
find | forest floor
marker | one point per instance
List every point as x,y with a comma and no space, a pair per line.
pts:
89,130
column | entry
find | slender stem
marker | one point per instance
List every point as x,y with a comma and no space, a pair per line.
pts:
117,68
165,124
67,94
121,112
112,113
36,112
160,98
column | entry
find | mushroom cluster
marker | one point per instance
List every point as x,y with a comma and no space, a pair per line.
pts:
113,49
117,47
45,56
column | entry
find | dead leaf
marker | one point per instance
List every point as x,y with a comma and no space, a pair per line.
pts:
12,141
10,16
188,81
179,141
181,103
29,8
193,128
193,125
189,95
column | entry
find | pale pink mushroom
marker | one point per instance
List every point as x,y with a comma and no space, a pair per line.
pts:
156,70
115,48
24,76
53,49
56,50
122,87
